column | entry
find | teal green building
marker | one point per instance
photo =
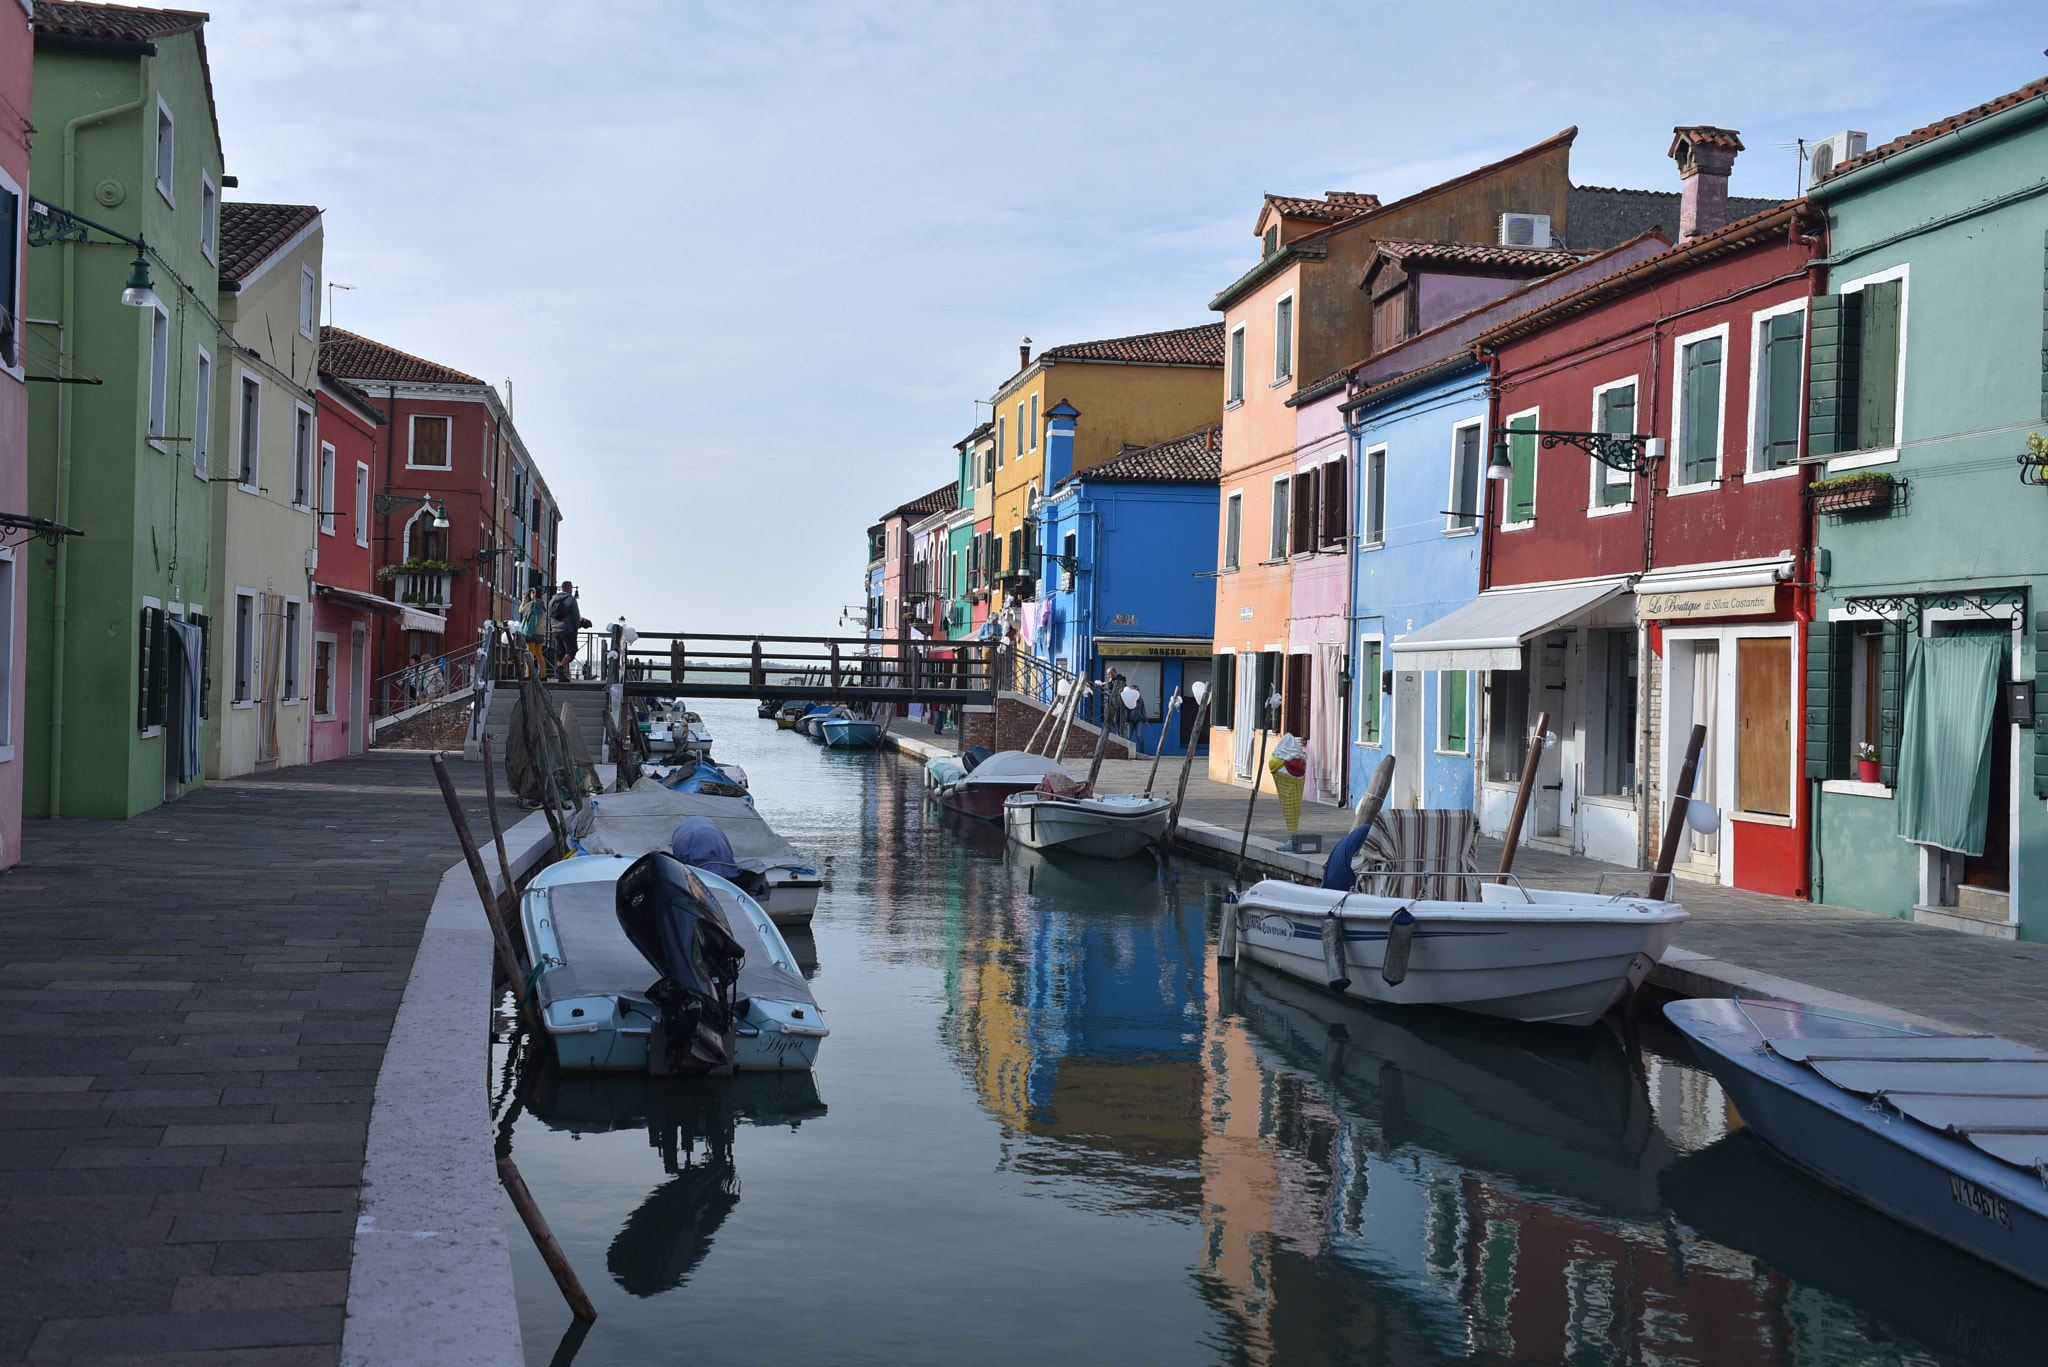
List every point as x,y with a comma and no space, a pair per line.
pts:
123,452
1928,372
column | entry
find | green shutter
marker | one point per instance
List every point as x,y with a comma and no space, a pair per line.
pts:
1781,391
1619,418
1451,702
1891,703
1829,694
1522,488
1834,352
1223,692
154,666
1702,412
1878,392
2040,715
1369,695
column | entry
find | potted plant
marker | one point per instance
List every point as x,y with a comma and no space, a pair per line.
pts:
1855,492
1866,762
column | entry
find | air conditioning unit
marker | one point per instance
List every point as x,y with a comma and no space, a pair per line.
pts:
1829,153
1525,230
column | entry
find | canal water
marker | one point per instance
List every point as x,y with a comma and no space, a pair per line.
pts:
1049,1128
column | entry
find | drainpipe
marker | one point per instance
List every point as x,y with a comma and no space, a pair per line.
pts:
59,601
1357,486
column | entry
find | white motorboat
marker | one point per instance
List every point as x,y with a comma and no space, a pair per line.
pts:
1522,953
644,819
1113,826
592,984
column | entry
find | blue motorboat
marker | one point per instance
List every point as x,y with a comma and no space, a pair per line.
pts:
1944,1131
850,733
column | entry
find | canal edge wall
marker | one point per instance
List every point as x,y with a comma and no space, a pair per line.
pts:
430,1278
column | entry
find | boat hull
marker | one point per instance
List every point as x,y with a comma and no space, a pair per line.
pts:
984,800
852,733
1567,963
1939,1185
1090,827
792,900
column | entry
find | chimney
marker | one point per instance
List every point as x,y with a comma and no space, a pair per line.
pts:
1705,155
1024,354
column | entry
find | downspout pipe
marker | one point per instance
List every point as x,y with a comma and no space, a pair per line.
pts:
67,433
1357,485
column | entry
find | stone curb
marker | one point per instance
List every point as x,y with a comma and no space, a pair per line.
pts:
430,1282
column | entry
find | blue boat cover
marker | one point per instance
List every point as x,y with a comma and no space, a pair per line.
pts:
698,841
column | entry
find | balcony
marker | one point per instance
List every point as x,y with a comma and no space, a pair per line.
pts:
422,583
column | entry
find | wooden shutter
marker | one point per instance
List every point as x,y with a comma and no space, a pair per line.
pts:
1781,390
1829,696
1522,488
1452,690
2041,713
1763,680
1702,410
1336,504
1878,391
1834,356
146,667
205,625
1294,707
1223,692
1618,418
1891,704
1302,533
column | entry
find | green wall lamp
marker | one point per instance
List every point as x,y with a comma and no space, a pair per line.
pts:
48,225
391,503
1628,451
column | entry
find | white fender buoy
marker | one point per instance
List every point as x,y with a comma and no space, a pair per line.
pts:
1333,953
1226,938
1400,938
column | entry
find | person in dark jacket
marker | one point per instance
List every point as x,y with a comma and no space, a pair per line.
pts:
565,616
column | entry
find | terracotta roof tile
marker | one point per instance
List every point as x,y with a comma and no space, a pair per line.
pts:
943,499
124,22
1192,458
1704,135
1201,346
1412,253
350,356
1947,125
249,233
1332,207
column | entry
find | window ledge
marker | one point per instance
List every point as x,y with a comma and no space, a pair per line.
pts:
1761,818
326,716
1452,754
6,753
1284,379
1281,560
150,732
1461,531
1757,476
156,444
1849,787
1703,486
248,488
1233,405
1610,509
1609,800
1857,460
1518,526
243,706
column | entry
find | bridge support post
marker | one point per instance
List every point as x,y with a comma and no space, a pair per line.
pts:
757,676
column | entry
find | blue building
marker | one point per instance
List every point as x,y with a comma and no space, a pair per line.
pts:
1420,441
1130,548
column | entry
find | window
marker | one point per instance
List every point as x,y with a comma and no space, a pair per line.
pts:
1223,691
1614,411
252,407
309,301
166,151
1034,422
1855,693
1021,431
202,420
10,273
1069,547
1302,526
1272,239
988,463
1467,445
291,650
1375,529
245,646
323,676
1336,505
362,504
1236,393
1507,721
1278,549
1283,339
1699,411
1453,691
1520,509
209,214
1233,530
1780,369
429,443
159,372
1371,670
1857,349
302,458
6,653
1002,427
1615,774
327,487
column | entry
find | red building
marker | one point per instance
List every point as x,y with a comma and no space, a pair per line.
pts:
448,452
1630,607
17,70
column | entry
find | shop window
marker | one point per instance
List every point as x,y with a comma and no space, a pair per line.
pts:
1615,775
1507,721
1370,673
1453,689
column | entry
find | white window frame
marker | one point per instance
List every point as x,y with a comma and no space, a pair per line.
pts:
1885,455
1507,493
362,504
1759,322
1235,360
1002,438
209,218
1233,499
333,644
309,302
1366,497
252,643
1370,687
166,187
16,291
1280,376
1283,519
324,490
1679,346
1597,476
248,433
202,419
1034,421
292,677
1451,527
305,470
412,431
1437,740
159,376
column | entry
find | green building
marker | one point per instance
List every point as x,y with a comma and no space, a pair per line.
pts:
1926,379
127,138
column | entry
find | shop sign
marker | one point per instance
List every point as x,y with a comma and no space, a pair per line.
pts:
1755,600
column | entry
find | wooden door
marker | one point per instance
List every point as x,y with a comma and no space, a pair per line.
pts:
1764,765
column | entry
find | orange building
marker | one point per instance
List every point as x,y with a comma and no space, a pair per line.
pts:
1297,316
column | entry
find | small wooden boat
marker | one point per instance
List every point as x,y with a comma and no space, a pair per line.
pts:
850,733
1112,826
1946,1132
982,790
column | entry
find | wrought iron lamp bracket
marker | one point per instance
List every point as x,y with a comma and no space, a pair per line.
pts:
2033,465
49,225
1617,451
1907,608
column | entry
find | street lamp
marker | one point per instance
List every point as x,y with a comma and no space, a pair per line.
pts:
140,293
49,225
391,503
1632,452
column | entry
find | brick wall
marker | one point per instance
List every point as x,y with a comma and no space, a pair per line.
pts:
1008,726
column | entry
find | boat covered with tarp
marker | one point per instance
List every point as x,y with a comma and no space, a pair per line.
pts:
632,823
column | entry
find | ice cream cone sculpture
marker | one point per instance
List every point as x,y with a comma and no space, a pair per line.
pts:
1289,766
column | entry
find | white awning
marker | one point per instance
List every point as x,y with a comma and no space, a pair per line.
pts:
1488,632
412,619
355,598
1742,574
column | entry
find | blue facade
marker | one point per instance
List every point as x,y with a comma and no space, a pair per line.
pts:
1416,562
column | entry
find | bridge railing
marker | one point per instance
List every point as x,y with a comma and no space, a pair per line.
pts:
843,667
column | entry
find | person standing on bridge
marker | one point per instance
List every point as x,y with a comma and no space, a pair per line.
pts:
565,615
533,615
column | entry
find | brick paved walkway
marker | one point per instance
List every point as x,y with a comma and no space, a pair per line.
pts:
193,1009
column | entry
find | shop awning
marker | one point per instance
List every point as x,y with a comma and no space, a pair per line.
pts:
1488,632
412,619
1152,647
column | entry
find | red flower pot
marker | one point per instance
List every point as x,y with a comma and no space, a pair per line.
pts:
1866,770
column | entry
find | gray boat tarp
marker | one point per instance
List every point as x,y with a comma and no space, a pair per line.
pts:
601,961
633,823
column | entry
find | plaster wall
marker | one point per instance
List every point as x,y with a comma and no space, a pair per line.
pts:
1440,298
16,81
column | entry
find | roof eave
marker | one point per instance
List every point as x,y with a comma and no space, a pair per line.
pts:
1944,144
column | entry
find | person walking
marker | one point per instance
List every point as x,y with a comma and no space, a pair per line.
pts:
533,629
1134,714
565,616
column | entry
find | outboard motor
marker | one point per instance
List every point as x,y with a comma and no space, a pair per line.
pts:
972,756
675,923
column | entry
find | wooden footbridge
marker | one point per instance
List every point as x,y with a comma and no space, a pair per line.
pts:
847,669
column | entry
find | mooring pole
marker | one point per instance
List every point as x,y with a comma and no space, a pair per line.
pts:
1258,772
1674,825
508,961
544,1238
1172,704
1513,837
1187,763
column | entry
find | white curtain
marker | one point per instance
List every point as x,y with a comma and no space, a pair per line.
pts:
1247,714
1326,749
1706,699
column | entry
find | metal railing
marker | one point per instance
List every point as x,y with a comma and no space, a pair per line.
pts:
432,680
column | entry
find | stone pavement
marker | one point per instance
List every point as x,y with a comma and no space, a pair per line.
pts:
1966,981
193,1010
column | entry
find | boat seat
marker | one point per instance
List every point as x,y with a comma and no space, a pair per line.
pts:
1411,850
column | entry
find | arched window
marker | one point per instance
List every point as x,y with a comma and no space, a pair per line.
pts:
423,541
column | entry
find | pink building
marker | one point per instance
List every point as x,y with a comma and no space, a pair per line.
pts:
17,65
346,597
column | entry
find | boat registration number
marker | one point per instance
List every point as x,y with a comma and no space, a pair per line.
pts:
1970,1196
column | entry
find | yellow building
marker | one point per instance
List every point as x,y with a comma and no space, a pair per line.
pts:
1128,391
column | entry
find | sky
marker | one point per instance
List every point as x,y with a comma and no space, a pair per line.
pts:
748,267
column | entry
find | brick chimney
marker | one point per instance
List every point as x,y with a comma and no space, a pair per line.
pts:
1024,354
1705,155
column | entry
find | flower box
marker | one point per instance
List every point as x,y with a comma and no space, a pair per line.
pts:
1855,493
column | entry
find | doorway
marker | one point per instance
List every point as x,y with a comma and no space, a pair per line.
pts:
358,690
1763,761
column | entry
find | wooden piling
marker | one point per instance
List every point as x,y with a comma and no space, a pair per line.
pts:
544,1238
1244,842
497,827
1172,704
1187,764
1513,837
508,960
1674,825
